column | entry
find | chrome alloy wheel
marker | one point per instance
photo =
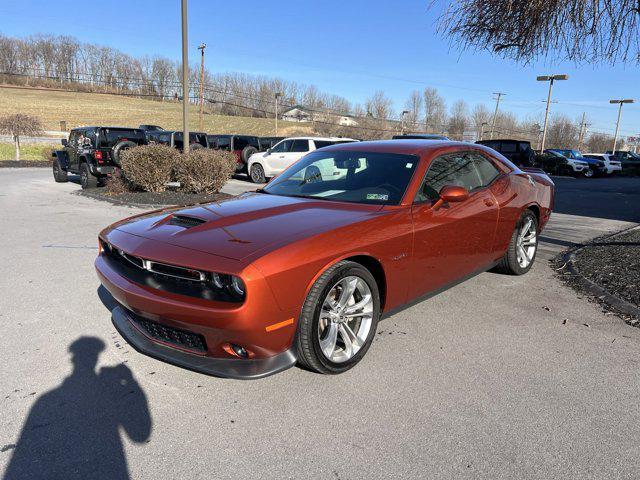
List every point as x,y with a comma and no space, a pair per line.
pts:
345,319
526,243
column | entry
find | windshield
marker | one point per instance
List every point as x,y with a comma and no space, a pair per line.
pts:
360,177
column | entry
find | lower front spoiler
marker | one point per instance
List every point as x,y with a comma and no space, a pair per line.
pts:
219,367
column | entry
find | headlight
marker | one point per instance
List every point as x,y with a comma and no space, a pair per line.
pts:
231,283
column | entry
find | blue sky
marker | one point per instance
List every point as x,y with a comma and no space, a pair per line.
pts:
349,47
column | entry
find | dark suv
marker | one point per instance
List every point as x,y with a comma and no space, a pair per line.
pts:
242,146
94,153
517,151
175,139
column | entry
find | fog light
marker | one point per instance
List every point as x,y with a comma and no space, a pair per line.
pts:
239,351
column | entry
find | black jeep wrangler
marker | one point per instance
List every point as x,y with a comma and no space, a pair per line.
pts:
175,139
94,153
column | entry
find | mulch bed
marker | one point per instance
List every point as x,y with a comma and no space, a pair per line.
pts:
24,164
612,264
150,199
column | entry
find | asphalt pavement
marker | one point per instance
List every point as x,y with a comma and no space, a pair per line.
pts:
499,377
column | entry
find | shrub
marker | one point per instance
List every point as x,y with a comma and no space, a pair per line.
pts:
204,170
149,167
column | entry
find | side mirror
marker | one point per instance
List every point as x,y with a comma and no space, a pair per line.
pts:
453,194
268,152
64,142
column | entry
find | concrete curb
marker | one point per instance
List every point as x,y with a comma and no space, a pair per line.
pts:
619,305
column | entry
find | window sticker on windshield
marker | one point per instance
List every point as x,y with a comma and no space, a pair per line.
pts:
408,165
377,196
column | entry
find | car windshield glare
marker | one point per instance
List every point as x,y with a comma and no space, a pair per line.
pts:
346,176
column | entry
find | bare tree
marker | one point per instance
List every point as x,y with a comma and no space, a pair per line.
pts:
480,116
563,133
593,31
599,142
379,105
458,120
413,105
435,111
18,125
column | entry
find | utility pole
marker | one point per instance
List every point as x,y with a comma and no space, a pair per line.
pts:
583,129
550,79
278,95
495,113
620,102
404,113
185,81
201,122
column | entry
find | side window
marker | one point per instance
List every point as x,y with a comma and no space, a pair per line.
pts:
282,147
457,169
300,146
486,169
73,138
322,143
508,147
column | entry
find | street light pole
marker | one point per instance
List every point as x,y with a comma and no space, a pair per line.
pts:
495,114
620,102
185,81
201,120
278,95
550,79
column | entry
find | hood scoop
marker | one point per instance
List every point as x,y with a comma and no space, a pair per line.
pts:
185,221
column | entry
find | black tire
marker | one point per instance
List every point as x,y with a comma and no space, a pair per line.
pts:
308,348
247,152
509,263
257,174
59,175
588,173
87,180
196,146
118,148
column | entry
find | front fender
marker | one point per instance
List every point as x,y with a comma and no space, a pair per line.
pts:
63,158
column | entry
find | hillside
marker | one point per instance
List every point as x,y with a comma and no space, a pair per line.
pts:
79,109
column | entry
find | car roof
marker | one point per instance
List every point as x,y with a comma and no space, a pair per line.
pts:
408,147
325,139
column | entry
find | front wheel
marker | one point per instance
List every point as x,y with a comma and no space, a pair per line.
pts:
339,319
521,253
257,173
588,173
59,174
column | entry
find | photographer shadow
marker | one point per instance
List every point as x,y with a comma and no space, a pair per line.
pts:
73,431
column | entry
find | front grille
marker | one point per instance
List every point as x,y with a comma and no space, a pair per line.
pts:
165,277
185,221
173,336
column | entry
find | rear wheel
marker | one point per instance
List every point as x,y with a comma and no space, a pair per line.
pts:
339,319
523,246
87,180
257,173
59,175
588,173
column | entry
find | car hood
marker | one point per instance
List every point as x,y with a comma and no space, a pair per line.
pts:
245,225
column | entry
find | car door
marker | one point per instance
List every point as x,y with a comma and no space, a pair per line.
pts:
279,156
452,240
72,150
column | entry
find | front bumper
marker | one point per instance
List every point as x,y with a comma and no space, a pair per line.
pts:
219,367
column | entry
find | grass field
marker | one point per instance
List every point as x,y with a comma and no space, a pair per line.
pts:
79,109
28,151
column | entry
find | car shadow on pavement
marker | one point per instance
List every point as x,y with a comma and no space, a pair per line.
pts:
73,431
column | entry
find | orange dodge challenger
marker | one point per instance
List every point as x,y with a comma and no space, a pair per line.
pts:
303,269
